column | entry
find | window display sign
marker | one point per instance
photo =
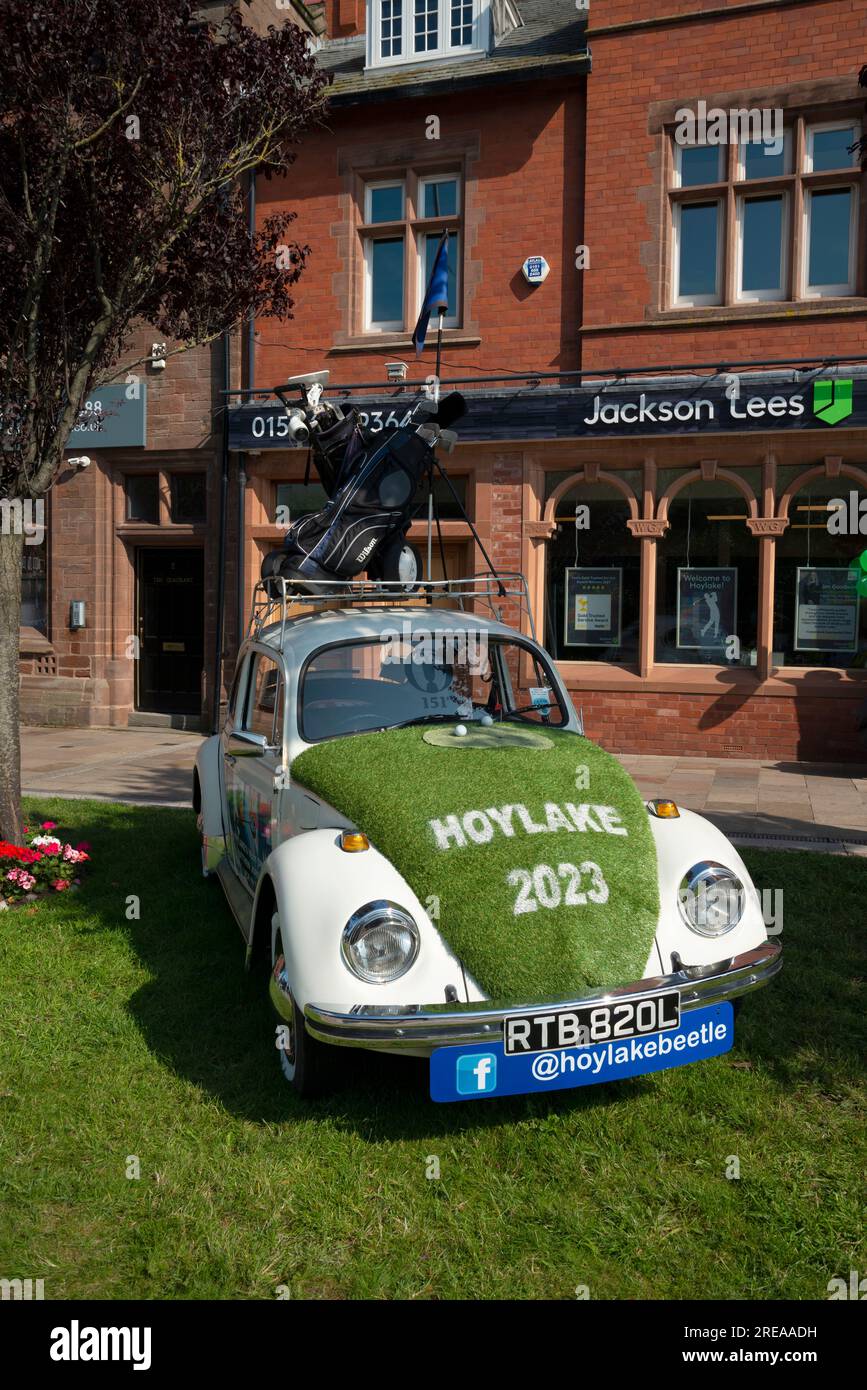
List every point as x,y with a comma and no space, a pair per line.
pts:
826,610
707,607
594,599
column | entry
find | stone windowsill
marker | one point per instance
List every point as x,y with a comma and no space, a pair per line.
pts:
33,643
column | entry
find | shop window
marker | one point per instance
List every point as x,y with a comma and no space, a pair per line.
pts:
593,578
294,500
143,497
189,497
820,589
707,581
447,507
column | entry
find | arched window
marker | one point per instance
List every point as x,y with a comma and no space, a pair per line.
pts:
593,578
707,580
820,608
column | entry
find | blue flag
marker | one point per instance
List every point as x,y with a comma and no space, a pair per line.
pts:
436,299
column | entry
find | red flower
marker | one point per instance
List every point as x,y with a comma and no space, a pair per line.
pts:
82,844
48,825
59,884
19,852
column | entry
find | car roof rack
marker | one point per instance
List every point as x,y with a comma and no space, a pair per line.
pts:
285,600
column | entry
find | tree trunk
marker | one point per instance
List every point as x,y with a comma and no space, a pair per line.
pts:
11,554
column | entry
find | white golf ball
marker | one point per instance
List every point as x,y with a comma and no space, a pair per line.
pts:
460,730
486,720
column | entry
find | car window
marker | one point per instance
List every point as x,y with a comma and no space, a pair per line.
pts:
355,687
265,705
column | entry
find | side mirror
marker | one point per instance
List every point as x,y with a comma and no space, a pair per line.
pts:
245,744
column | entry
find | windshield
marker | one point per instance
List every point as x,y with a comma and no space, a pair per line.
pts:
418,677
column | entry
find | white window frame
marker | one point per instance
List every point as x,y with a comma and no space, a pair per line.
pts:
696,300
444,48
368,201
372,325
439,178
811,131
677,181
761,296
449,320
787,160
831,291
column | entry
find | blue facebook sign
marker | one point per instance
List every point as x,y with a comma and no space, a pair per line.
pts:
462,1073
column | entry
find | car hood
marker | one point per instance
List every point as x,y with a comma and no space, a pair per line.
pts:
529,847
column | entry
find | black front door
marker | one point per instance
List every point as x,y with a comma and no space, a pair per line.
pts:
171,618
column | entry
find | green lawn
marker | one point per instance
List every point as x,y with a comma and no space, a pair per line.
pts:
124,1037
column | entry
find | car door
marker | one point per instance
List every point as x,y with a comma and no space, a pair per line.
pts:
252,762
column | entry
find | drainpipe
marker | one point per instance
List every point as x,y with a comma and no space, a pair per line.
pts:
242,469
221,546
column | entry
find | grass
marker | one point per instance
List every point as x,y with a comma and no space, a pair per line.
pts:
124,1036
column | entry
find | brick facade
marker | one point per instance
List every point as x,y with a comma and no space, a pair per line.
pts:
548,164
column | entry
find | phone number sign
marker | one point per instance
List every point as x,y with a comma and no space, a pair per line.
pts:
267,426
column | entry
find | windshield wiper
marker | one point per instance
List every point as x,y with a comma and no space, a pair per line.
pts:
427,719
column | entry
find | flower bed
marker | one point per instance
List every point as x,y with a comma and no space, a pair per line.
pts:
45,863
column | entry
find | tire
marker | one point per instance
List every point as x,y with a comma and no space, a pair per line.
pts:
394,557
305,1063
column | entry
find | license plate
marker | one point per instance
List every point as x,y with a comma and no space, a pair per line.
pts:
592,1023
487,1071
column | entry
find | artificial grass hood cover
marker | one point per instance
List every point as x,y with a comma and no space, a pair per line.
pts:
536,844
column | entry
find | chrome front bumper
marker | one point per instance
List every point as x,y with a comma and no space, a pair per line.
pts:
417,1030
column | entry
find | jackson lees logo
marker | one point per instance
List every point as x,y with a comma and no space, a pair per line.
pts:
832,402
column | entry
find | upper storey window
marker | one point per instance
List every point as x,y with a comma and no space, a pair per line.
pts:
411,31
768,220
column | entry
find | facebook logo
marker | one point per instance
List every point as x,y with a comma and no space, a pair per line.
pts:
476,1074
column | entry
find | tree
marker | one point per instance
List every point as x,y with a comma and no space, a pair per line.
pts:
127,135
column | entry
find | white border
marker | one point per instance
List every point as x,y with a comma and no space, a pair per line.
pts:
706,569
827,651
593,569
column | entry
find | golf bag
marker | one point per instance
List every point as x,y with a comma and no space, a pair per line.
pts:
374,489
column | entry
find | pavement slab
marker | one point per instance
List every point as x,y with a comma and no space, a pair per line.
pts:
820,806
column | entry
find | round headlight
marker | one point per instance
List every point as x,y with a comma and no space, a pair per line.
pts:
380,942
711,899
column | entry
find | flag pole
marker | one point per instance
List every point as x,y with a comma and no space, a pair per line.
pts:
439,350
430,498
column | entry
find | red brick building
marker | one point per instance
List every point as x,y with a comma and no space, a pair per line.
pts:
735,253
699,204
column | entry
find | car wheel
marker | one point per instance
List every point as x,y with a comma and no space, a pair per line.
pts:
303,1060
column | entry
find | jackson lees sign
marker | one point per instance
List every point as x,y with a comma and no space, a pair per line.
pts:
736,407
716,405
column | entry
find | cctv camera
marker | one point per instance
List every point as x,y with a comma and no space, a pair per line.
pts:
298,430
82,461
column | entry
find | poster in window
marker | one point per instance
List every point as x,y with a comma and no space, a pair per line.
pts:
826,610
707,608
594,602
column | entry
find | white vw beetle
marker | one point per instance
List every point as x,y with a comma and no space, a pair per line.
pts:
359,953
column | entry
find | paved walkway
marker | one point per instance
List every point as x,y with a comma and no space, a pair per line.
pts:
819,806
149,766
